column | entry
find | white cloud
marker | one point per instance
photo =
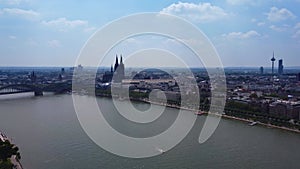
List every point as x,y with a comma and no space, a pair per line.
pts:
32,42
12,37
241,35
131,40
260,24
276,14
279,29
297,26
64,24
13,2
239,2
54,43
90,29
202,12
297,34
253,20
27,14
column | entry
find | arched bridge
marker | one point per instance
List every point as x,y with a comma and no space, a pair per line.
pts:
20,88
37,89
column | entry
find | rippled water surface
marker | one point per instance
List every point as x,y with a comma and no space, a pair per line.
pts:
49,135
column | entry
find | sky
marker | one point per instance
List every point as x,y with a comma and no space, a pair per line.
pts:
244,32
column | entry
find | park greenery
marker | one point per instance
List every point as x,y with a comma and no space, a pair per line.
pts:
7,150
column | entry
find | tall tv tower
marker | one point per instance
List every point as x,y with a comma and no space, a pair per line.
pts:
273,60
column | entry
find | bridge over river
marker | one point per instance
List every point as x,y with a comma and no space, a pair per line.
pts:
37,89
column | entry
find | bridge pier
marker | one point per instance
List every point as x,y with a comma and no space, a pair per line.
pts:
38,93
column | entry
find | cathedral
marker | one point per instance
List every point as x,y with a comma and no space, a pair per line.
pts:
117,73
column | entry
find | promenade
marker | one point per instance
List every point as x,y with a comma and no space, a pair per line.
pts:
13,159
224,116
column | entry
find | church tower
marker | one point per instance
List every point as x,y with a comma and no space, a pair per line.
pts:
116,63
119,70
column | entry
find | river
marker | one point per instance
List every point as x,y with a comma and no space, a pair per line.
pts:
49,135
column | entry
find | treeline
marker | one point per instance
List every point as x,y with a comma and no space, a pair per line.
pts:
259,113
253,111
7,150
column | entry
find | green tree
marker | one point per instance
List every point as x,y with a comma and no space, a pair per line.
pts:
7,150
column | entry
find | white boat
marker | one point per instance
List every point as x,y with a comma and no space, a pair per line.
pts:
253,123
160,150
199,113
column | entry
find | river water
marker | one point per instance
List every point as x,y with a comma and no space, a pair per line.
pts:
49,136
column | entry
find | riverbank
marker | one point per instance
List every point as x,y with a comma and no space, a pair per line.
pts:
14,160
249,121
260,123
205,113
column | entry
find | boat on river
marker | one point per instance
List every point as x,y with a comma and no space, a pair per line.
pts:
199,113
252,123
160,150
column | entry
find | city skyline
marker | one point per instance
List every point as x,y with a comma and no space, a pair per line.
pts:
149,84
52,33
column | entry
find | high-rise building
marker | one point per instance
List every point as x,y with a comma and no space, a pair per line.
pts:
33,77
62,71
273,60
299,77
261,70
280,67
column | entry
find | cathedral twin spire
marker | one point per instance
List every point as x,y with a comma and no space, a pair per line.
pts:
117,62
117,72
119,69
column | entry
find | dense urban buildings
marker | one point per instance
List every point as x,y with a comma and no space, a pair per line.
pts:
257,94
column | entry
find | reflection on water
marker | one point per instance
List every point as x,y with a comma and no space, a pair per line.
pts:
22,96
16,96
